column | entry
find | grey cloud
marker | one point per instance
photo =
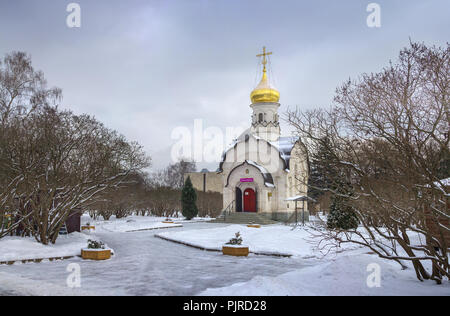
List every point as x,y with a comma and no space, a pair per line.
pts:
145,67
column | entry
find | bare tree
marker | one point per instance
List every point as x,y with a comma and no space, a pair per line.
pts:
54,162
386,135
23,91
173,175
130,197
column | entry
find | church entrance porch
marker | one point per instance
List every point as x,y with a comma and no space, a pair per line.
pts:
246,188
250,200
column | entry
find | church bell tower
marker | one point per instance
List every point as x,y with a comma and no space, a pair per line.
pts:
265,120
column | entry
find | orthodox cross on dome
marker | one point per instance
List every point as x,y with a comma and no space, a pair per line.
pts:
264,55
264,92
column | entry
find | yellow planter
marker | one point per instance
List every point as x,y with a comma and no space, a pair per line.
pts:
254,225
96,254
235,251
87,227
167,222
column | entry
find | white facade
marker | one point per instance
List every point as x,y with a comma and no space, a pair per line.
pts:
261,169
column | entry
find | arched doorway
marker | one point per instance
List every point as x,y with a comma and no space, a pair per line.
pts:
249,200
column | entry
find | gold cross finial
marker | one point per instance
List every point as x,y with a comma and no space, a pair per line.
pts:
264,55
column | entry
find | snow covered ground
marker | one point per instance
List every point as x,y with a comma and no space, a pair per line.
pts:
136,223
17,248
18,285
343,274
145,265
271,239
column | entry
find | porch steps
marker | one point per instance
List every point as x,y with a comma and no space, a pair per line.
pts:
244,218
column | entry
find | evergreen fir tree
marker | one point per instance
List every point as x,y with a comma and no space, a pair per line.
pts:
324,174
188,200
322,171
341,214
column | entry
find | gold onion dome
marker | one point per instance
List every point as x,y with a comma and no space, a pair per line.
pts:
264,92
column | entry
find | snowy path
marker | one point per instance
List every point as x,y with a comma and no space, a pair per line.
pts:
145,265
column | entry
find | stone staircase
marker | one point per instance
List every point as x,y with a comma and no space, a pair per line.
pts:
244,218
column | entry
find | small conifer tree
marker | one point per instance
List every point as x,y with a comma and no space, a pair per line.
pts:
188,200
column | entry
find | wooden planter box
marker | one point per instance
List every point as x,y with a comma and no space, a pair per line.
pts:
87,228
254,225
237,251
96,254
168,222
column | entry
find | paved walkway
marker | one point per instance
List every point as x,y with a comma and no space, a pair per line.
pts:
146,265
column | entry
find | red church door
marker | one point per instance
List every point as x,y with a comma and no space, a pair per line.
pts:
249,200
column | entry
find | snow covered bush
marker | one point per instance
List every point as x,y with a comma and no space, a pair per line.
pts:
236,241
93,244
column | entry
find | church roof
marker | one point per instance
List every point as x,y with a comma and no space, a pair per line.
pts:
284,146
268,180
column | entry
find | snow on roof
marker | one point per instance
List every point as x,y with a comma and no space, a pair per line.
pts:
268,180
299,198
284,146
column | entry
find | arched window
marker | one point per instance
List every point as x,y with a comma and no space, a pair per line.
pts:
261,117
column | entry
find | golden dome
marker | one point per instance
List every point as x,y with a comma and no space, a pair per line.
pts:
264,92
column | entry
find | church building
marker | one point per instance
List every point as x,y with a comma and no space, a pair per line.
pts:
263,172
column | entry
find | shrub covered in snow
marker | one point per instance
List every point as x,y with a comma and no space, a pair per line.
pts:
237,240
92,244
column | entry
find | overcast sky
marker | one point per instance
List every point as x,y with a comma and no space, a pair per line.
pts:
145,67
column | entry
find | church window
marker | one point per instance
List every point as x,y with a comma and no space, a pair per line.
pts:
247,171
261,117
